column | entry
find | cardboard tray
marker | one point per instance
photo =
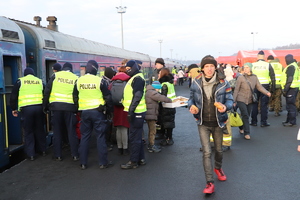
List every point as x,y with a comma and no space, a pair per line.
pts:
176,104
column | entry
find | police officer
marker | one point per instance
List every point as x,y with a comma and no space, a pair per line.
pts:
26,97
59,99
91,92
275,102
264,72
290,87
134,103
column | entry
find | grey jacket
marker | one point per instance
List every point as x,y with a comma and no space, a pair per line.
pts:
242,91
152,98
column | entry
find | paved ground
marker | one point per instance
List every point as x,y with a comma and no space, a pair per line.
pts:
266,167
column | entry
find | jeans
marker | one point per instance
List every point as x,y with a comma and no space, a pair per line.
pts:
245,113
217,134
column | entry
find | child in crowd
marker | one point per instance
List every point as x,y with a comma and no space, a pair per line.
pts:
175,79
152,98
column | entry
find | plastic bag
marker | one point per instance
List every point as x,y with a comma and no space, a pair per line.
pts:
235,119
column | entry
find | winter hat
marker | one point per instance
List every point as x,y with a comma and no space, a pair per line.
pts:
270,57
192,66
249,65
91,67
134,69
109,72
56,67
28,70
160,60
67,66
156,85
261,53
208,60
289,59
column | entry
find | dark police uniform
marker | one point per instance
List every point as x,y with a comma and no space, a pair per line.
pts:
59,93
265,74
27,97
92,94
290,87
134,103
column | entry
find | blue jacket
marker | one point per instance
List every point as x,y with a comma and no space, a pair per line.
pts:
222,93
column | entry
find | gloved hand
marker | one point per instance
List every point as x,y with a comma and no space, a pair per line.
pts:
130,116
284,93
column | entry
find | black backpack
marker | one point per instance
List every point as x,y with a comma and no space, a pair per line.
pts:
117,91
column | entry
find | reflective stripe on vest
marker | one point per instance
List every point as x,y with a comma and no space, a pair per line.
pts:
171,90
295,82
62,87
277,70
31,91
128,95
90,95
261,70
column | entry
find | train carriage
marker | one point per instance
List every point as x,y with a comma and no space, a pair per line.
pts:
12,64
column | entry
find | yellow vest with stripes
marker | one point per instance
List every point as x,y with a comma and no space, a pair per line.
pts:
62,87
261,70
278,71
90,95
128,95
30,92
171,90
295,82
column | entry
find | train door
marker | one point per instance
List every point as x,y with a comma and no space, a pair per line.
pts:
49,71
12,125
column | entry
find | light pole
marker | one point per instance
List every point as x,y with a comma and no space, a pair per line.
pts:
253,38
122,10
160,41
171,53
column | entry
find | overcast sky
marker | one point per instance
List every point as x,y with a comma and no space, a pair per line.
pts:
191,28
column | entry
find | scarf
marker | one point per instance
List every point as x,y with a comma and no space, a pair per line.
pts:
208,86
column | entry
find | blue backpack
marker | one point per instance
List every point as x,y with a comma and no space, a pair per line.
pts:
117,91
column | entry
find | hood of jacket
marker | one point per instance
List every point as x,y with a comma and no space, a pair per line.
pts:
121,76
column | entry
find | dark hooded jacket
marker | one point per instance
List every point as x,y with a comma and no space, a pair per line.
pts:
166,115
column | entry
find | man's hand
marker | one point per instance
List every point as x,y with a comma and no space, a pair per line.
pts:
223,109
15,113
194,110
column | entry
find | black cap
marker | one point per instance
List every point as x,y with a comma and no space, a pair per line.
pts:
67,66
192,66
57,67
28,70
261,53
270,57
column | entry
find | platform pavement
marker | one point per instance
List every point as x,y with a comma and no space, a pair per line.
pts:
264,168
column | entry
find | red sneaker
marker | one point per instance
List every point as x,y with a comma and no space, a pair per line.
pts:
220,174
209,189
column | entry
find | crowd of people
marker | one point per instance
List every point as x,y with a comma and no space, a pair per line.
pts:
91,102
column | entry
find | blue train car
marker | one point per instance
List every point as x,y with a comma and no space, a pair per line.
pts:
25,44
12,64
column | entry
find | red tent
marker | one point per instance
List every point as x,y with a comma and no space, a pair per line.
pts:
251,56
227,60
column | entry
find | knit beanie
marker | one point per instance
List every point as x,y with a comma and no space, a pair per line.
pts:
28,70
57,67
160,60
208,60
67,66
249,65
109,72
91,67
156,85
